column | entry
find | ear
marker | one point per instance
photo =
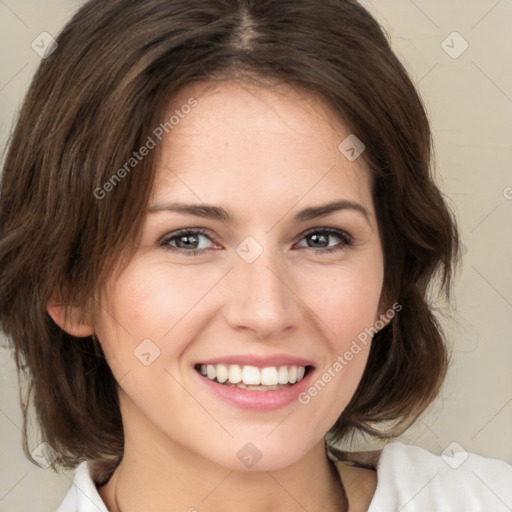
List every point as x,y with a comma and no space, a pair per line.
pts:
69,319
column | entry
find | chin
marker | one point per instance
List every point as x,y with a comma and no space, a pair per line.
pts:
259,453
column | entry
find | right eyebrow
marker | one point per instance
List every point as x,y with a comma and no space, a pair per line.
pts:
221,214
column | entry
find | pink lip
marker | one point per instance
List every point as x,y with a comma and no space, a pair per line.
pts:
259,361
257,400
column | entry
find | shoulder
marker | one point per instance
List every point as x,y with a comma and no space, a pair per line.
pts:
412,479
83,495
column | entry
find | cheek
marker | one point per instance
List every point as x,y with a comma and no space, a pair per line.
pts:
347,308
151,300
345,300
146,303
169,306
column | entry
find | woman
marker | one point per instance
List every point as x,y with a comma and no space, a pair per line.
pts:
215,253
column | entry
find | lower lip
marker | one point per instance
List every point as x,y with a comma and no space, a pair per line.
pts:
257,400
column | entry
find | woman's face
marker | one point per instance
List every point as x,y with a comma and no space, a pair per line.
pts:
279,289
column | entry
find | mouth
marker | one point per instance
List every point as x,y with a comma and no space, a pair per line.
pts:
254,378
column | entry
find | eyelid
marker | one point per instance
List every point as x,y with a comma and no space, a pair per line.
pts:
346,238
182,231
342,233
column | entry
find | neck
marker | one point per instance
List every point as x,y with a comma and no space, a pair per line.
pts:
156,472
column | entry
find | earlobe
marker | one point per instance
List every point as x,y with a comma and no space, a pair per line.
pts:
69,319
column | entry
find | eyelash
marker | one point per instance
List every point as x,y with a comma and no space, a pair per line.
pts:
346,238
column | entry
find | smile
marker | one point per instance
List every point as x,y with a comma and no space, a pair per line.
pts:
252,377
255,382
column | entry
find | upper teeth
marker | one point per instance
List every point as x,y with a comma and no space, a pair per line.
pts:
252,375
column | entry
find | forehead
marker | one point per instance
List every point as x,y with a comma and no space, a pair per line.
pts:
257,146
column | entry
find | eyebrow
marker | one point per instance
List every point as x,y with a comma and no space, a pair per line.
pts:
221,214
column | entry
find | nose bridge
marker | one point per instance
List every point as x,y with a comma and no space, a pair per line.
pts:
260,292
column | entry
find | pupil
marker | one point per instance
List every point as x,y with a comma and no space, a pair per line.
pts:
315,237
187,237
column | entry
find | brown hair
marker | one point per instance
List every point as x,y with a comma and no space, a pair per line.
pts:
97,98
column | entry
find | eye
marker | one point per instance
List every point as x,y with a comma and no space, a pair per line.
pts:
185,241
320,237
188,241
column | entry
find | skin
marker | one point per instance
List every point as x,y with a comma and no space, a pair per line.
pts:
264,154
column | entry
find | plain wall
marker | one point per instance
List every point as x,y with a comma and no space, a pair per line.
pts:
469,100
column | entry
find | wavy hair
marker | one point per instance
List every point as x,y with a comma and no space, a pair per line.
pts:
96,99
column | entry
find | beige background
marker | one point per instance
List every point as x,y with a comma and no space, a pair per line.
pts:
469,99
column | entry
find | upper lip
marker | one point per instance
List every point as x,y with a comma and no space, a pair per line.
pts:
259,361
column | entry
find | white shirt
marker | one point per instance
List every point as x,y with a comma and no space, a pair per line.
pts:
409,479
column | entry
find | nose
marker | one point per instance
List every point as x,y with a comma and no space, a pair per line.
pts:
261,298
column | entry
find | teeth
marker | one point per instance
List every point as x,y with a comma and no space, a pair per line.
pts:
222,373
282,375
210,372
269,376
252,375
235,373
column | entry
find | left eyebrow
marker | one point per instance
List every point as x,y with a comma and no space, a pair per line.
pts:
326,209
221,214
